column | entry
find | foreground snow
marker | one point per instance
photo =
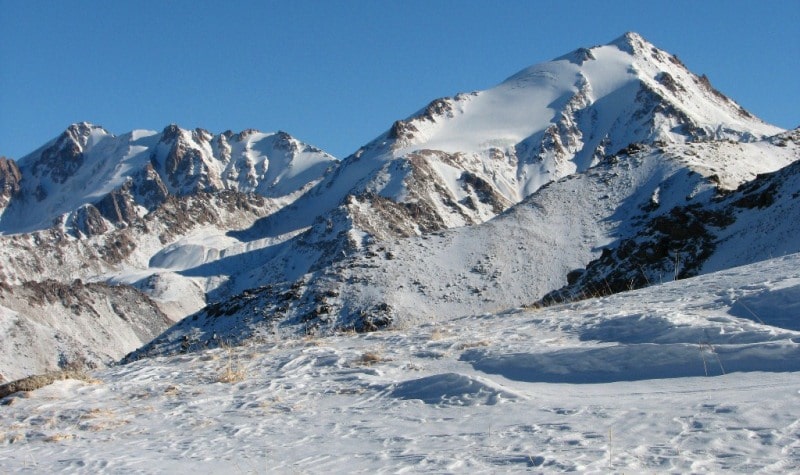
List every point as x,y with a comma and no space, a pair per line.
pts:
692,376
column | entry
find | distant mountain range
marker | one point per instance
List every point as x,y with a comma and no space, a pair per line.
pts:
609,168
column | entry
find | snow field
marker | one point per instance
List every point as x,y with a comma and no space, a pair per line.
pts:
581,386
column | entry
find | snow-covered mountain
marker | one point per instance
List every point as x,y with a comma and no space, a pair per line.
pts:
648,138
530,192
88,181
94,207
463,159
631,217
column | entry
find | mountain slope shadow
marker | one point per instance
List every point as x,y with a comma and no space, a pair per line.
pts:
635,362
776,307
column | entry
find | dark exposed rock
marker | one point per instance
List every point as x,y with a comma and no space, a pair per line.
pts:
241,135
284,141
632,149
759,193
485,192
88,221
149,188
579,56
185,169
61,160
65,156
670,246
438,108
668,81
118,207
706,83
117,248
10,177
402,130
170,133
373,319
652,104
32,383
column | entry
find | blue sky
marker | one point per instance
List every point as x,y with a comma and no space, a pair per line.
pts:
338,73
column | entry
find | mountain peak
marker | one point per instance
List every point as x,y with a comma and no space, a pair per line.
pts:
631,42
81,133
83,127
581,105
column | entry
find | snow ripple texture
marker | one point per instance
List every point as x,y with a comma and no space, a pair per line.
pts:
673,378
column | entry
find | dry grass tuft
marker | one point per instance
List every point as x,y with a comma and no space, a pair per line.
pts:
171,390
348,331
233,372
231,375
437,335
472,344
96,412
59,437
369,358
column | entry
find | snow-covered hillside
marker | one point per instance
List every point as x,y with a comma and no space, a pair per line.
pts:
47,325
629,218
492,237
103,209
698,375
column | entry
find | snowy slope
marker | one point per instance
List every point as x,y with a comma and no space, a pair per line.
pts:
673,238
94,323
765,211
462,160
592,97
49,325
672,378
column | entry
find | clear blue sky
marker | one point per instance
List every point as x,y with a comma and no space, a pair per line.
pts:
338,73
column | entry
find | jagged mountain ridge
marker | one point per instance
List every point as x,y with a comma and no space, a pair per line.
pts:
89,181
410,226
